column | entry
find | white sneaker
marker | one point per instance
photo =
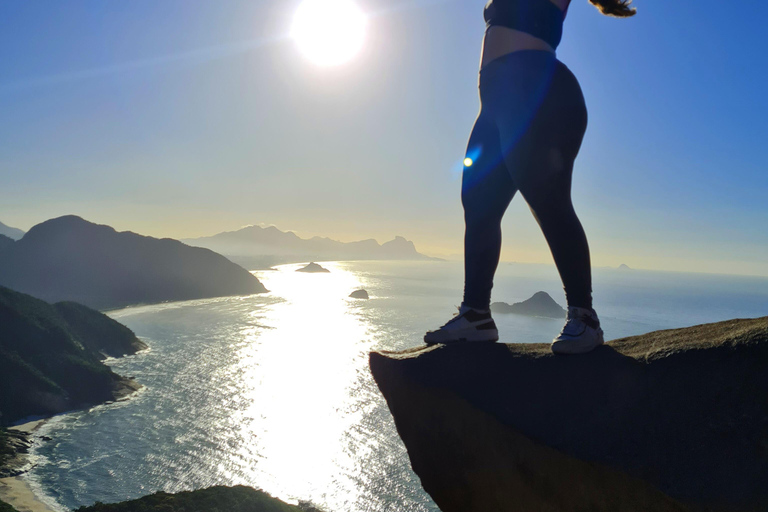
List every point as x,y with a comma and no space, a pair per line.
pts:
582,332
468,325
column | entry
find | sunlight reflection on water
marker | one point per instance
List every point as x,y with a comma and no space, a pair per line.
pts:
300,377
271,390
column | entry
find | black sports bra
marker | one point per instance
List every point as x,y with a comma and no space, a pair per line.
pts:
540,18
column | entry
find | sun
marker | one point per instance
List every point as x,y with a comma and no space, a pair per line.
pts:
329,32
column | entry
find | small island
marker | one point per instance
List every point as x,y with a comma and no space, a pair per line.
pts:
312,267
540,304
624,267
359,294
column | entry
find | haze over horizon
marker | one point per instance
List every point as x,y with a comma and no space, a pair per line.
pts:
173,121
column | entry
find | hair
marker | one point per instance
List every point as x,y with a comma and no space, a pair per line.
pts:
615,8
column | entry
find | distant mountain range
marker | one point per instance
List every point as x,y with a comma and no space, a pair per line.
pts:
255,247
69,258
10,232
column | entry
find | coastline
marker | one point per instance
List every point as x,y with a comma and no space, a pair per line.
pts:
15,490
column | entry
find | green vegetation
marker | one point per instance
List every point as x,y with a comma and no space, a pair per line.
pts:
4,507
50,356
212,499
97,331
5,450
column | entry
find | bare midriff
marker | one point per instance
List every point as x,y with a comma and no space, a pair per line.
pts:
499,40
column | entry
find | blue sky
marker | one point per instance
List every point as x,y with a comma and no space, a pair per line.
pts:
182,119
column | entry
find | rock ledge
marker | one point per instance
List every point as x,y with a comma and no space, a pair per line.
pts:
670,420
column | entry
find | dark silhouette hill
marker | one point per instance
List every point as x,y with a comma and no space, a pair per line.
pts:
13,233
69,258
312,267
5,242
219,498
670,420
50,356
257,246
540,304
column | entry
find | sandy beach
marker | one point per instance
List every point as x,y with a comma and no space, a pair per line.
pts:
15,490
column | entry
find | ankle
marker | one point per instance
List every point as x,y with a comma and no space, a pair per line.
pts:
465,307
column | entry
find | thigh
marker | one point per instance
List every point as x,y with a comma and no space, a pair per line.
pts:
486,186
542,135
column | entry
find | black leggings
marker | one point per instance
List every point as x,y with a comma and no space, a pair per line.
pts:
529,130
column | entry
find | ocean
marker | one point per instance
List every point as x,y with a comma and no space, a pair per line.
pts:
273,390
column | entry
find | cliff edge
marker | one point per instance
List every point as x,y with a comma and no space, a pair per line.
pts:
670,420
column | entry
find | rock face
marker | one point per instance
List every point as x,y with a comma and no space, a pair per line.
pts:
540,304
69,258
14,447
219,498
312,267
670,420
359,294
50,357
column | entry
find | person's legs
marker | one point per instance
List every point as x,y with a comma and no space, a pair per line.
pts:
550,203
540,157
487,189
541,164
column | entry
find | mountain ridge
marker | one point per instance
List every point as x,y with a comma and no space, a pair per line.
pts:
70,258
266,246
11,232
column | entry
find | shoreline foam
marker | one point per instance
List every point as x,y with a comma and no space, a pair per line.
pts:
15,490
18,493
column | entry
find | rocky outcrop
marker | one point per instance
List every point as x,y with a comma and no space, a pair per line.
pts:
14,447
670,420
359,294
219,498
540,304
312,267
50,357
71,259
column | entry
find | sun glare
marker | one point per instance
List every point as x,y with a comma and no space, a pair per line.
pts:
329,32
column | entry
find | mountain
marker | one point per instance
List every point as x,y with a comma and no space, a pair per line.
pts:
673,420
10,232
5,242
212,499
540,304
50,356
69,258
257,246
